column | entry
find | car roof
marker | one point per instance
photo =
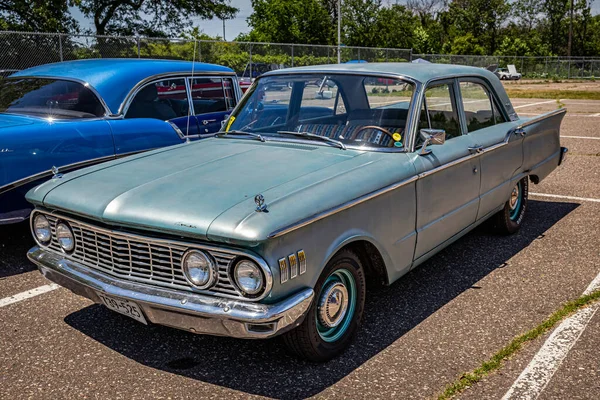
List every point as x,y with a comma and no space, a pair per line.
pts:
114,78
418,72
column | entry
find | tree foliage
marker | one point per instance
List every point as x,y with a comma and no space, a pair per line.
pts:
36,16
290,21
150,17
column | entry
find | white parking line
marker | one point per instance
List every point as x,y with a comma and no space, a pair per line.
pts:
557,196
534,379
28,294
535,104
580,137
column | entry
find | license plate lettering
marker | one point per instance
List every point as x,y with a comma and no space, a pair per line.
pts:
122,306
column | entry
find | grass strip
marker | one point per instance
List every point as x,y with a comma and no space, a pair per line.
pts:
496,361
553,94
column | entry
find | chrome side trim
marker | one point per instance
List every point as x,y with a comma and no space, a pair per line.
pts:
337,209
168,243
49,172
107,111
67,168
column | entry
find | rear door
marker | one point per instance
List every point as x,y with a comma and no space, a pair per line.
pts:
500,151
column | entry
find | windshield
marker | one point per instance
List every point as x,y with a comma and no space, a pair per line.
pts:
48,98
356,110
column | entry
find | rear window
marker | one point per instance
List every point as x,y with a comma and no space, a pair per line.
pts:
43,97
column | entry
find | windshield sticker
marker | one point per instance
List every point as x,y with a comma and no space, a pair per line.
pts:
231,119
397,137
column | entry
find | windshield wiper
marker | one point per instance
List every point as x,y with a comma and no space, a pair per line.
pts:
313,136
255,135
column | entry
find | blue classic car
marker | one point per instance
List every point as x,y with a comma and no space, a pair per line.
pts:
68,115
274,226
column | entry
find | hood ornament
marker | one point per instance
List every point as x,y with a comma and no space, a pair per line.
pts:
56,173
259,199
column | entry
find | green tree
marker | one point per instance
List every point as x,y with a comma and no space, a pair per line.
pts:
555,29
36,16
396,27
150,17
359,22
290,21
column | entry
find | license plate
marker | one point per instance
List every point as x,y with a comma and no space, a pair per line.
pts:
124,307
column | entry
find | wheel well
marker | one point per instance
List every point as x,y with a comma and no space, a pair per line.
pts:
372,262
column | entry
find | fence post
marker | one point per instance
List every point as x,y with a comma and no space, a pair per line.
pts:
137,39
250,62
292,54
522,58
569,69
60,49
410,55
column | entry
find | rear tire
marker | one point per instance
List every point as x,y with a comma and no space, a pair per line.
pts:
509,220
334,317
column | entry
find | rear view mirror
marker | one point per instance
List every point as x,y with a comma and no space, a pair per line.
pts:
433,137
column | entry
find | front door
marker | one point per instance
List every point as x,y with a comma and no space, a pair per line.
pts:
449,178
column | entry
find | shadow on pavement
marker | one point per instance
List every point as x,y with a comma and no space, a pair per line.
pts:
264,368
15,240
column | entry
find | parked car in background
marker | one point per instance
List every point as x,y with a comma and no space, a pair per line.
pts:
274,226
509,73
63,116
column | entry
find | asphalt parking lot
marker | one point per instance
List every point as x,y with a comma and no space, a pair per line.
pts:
420,334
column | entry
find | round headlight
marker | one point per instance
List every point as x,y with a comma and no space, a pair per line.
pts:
41,229
65,237
248,277
199,269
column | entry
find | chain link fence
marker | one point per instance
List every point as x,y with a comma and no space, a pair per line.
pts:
20,50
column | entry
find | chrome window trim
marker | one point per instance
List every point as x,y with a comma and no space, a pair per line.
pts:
107,111
342,207
157,77
167,242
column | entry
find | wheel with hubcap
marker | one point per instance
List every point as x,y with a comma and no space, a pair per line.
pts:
509,219
336,312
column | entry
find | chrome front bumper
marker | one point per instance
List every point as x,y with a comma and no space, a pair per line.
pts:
193,312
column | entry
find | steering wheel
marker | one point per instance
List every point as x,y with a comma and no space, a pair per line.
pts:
377,128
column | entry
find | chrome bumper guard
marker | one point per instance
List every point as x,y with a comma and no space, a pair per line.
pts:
193,312
563,155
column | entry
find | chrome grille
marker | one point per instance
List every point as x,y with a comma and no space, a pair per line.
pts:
139,259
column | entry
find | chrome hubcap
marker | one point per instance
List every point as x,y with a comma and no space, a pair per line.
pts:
514,198
333,304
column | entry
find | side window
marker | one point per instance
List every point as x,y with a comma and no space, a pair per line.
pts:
165,99
439,111
212,95
321,99
480,109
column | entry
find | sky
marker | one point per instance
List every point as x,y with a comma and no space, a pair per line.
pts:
238,25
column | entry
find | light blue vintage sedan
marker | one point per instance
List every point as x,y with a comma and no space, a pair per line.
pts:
347,173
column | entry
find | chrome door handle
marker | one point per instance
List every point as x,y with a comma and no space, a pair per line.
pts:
208,121
476,149
520,131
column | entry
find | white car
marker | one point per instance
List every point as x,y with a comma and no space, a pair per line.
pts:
509,73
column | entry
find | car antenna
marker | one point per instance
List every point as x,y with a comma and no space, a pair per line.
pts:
187,130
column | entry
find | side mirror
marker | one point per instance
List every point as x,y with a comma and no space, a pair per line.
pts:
433,137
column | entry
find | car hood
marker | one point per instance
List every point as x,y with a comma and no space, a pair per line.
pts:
206,189
11,120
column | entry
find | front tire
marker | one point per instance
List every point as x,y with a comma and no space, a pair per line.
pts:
509,220
335,315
